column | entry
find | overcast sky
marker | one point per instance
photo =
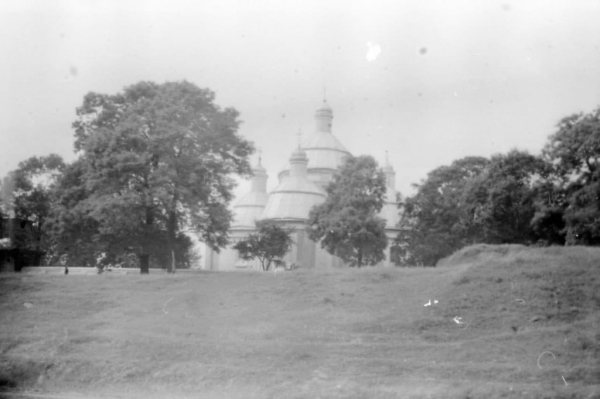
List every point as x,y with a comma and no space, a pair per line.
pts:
427,81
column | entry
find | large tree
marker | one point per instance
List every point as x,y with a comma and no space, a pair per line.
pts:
269,243
501,200
27,194
434,221
346,224
574,151
158,159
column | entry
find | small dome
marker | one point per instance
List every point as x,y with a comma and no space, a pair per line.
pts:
296,195
324,151
259,170
324,111
299,155
325,106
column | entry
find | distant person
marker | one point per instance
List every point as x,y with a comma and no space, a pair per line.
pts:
66,270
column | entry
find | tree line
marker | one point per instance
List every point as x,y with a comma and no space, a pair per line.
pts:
157,161
546,199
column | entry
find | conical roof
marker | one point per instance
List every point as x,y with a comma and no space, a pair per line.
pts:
250,207
295,195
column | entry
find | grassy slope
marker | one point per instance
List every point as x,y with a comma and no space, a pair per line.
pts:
348,334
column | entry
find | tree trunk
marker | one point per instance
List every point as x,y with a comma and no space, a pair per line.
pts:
360,256
144,264
173,263
145,255
171,227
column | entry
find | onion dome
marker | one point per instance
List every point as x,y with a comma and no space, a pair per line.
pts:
295,195
324,151
250,207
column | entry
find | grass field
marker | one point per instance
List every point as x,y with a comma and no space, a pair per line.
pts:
529,327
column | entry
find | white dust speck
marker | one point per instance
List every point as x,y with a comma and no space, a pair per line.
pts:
373,51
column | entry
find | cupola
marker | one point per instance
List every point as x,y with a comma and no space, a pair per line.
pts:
296,195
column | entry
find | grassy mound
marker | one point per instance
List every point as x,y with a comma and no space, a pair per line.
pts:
481,253
527,301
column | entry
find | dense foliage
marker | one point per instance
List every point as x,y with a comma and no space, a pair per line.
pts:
435,221
157,160
500,202
574,152
511,198
346,224
269,244
27,199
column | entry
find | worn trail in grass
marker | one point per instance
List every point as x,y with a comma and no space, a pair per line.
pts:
303,334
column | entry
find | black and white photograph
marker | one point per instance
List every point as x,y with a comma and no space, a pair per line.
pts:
253,199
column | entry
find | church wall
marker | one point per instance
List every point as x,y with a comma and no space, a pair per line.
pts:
211,259
306,250
323,259
391,236
304,253
227,259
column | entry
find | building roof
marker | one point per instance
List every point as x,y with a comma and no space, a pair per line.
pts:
250,207
324,151
295,195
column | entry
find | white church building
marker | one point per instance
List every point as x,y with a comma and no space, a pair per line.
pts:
301,186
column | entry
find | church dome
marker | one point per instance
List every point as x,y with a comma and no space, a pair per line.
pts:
324,151
325,111
250,207
295,195
299,155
